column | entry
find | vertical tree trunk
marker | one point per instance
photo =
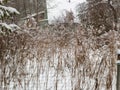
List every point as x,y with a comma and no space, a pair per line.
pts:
37,7
25,9
114,15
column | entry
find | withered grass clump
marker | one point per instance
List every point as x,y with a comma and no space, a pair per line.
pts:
89,60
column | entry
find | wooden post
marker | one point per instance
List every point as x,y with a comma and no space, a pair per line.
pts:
118,70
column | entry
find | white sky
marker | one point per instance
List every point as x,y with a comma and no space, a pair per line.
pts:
57,7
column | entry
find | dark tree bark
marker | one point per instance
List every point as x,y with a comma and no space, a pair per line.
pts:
114,14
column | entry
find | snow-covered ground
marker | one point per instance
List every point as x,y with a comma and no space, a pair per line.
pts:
56,72
58,7
54,65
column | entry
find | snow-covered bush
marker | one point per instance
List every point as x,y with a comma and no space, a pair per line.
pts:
5,14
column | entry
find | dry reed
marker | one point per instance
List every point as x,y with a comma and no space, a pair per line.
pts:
58,58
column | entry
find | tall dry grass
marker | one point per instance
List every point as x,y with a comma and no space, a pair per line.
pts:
58,57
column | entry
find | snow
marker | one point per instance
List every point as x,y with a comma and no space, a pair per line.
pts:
12,10
60,7
6,26
58,76
1,13
118,51
1,1
118,62
8,10
11,27
14,26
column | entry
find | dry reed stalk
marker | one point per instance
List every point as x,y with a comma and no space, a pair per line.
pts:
79,54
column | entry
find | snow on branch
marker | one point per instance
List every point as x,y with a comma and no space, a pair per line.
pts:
9,27
14,26
4,25
33,15
7,10
5,13
12,10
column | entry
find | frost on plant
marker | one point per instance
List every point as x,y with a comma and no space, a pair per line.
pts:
5,14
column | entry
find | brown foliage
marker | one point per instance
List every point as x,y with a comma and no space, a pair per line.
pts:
80,52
